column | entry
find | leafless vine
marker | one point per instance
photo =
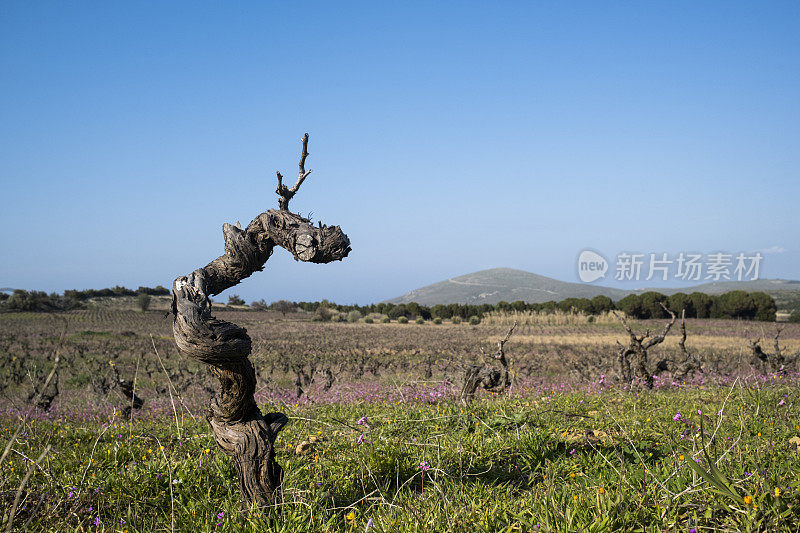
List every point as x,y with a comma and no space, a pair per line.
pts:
239,427
488,376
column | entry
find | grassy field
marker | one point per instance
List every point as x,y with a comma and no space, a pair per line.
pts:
387,446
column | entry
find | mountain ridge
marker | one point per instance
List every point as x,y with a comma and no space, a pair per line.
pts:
508,284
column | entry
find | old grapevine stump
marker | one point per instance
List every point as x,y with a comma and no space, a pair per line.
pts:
239,427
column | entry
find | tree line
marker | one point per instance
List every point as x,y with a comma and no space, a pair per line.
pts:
40,301
734,304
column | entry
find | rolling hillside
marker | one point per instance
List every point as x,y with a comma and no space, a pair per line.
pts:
507,284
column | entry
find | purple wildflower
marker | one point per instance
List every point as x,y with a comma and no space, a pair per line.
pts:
677,416
369,524
781,402
361,439
424,465
97,521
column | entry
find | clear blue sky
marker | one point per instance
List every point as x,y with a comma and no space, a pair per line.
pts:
445,137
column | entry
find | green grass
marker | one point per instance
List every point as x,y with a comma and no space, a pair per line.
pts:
500,464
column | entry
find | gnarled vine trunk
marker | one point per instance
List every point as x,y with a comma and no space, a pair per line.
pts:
487,376
636,353
777,361
239,427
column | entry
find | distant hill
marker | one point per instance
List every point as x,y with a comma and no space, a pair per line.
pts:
507,284
503,284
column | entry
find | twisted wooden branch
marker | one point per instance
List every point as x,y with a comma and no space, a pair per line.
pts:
487,376
637,349
239,428
686,364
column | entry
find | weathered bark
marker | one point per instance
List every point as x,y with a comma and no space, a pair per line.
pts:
487,376
330,379
46,394
43,395
687,364
777,361
239,428
127,389
635,353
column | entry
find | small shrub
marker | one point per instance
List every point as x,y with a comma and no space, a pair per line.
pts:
368,320
283,307
322,314
456,320
338,318
420,320
402,320
234,299
385,320
143,301
474,320
260,305
437,320
354,316
794,318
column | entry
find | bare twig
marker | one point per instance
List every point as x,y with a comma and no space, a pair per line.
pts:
21,487
285,192
171,495
658,339
171,399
